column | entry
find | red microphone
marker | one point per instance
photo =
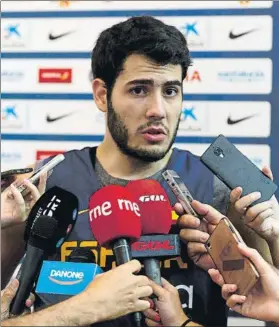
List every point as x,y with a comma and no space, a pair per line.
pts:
156,217
114,217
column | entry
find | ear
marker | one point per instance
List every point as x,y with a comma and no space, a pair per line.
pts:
100,94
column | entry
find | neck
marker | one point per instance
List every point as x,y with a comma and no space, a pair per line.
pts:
120,165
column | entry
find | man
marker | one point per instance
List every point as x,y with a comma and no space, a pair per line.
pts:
139,67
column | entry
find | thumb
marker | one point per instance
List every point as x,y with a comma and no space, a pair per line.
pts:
10,291
262,266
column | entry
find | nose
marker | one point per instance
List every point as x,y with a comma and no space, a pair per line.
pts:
156,108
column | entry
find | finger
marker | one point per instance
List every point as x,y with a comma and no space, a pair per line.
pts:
235,302
144,291
242,204
216,277
196,249
188,221
257,209
227,290
193,235
235,194
32,189
10,291
158,290
151,323
143,281
210,214
141,305
262,221
30,301
262,266
267,171
132,266
16,195
179,209
152,314
42,183
167,285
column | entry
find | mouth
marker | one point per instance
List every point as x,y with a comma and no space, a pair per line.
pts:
154,134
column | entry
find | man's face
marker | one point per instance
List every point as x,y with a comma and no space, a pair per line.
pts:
145,107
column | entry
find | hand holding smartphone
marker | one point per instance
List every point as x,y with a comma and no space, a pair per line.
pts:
180,191
44,169
235,169
232,265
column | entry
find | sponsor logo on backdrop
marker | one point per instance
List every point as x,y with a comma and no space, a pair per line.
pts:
11,75
192,34
193,76
10,157
189,120
64,4
245,2
12,36
231,121
241,76
10,117
43,154
55,36
234,36
51,119
55,75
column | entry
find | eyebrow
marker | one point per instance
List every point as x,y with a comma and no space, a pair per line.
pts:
151,82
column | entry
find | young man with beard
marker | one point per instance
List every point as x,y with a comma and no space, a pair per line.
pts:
139,67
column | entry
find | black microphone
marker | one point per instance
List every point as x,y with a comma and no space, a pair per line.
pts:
42,237
82,255
151,249
59,203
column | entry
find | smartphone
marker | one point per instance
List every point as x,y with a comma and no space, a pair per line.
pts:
235,169
13,172
180,190
47,167
232,265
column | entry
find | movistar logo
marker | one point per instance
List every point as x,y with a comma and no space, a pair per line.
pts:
66,274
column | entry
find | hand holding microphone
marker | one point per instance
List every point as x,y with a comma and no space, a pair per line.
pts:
169,310
120,291
155,219
114,217
8,294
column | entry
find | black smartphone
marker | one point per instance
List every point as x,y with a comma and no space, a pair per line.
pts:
12,172
235,169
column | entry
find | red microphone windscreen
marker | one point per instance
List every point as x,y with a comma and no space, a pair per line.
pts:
114,213
155,208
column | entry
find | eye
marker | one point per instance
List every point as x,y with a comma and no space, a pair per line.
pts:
138,90
171,92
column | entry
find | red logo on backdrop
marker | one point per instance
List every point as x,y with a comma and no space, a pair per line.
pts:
40,155
55,75
195,76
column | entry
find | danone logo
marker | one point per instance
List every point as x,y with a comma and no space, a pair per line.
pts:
66,277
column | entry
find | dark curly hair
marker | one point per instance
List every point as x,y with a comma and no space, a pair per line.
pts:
145,35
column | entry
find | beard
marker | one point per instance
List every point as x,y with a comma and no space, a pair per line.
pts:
120,135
